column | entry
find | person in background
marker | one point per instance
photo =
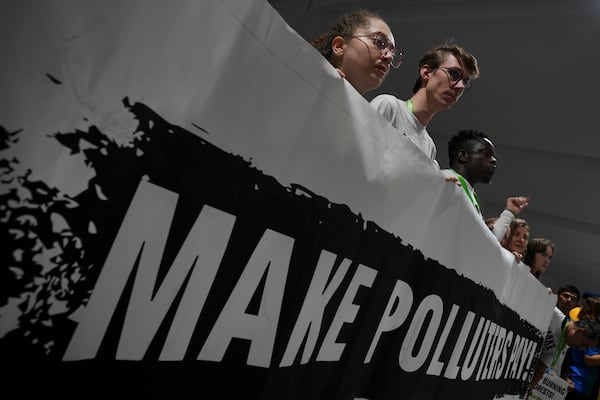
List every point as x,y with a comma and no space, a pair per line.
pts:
361,47
472,160
581,366
538,255
575,311
517,238
562,334
489,222
567,298
444,74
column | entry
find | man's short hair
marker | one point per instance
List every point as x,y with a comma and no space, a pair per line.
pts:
570,288
464,139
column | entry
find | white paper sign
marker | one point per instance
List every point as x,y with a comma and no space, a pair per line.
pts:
550,387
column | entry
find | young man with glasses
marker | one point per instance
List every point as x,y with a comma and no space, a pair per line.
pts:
444,74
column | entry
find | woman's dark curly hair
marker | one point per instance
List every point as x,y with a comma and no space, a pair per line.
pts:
345,27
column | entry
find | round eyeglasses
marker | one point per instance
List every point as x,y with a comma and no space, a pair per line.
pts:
455,75
384,46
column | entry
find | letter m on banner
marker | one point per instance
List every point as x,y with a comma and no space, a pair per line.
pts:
140,242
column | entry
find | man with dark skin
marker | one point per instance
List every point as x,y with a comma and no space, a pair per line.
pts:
472,160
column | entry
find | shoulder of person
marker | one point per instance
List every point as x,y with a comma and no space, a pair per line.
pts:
556,323
386,99
558,313
448,172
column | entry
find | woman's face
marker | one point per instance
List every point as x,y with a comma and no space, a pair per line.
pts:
542,260
518,241
364,66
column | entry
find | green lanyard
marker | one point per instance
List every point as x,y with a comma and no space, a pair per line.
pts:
561,345
410,105
473,198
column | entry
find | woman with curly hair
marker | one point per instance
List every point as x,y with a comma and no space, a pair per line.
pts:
361,47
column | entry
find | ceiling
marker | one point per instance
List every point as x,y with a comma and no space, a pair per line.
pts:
537,98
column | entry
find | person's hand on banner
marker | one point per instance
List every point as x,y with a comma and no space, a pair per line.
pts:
518,256
453,178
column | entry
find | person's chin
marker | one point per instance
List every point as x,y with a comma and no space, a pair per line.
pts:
372,85
376,81
448,101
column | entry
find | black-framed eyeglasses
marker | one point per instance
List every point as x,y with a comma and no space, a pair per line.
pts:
455,75
384,46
